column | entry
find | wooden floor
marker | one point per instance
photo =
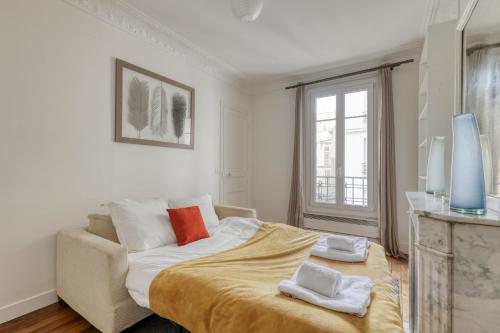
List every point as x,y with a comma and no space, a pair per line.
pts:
57,318
53,318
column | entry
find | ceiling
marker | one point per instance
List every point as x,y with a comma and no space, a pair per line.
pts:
292,36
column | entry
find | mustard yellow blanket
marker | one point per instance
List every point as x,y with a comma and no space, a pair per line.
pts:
236,290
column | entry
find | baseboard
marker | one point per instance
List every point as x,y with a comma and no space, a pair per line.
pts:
27,305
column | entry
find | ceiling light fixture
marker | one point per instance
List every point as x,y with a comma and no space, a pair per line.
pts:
247,10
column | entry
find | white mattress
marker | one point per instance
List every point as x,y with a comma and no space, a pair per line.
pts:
143,266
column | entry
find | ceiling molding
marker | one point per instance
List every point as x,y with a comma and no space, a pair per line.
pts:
131,20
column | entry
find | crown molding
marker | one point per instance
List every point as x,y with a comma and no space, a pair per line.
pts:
131,20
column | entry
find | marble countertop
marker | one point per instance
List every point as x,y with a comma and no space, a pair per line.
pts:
428,205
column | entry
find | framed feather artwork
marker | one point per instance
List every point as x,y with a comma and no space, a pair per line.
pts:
151,109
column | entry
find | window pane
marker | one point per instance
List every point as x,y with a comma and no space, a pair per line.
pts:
326,107
325,149
356,150
356,104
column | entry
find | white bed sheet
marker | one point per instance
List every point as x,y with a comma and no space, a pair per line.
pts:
143,266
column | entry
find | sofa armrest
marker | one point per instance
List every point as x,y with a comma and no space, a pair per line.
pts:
91,273
226,211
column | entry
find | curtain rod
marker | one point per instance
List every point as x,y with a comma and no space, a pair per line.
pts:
473,49
391,65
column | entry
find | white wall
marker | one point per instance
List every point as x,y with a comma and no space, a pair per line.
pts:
273,126
58,158
273,119
405,91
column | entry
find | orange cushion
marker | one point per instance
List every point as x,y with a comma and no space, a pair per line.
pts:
188,224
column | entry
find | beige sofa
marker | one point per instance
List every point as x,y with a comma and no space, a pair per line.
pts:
91,271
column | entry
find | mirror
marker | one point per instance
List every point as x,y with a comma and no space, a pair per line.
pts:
481,82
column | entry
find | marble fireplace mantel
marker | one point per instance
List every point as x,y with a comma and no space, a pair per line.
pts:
438,208
454,268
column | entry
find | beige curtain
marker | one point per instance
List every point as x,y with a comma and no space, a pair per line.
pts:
387,167
295,206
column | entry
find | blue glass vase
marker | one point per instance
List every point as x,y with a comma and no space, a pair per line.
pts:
467,174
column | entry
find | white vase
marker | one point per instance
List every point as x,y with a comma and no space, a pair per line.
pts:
435,166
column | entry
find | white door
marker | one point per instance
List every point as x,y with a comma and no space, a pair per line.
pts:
234,159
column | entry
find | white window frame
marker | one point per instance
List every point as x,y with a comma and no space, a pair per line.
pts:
339,208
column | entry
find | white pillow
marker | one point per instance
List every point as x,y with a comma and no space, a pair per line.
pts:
142,225
206,207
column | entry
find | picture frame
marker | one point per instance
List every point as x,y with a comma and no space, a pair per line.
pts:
151,109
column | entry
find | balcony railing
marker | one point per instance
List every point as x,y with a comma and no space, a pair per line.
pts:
355,190
325,189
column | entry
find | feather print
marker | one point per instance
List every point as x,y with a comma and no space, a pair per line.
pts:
179,109
138,101
159,112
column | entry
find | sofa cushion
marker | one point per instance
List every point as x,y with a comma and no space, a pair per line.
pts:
102,226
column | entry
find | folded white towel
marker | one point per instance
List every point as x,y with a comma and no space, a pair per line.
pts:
321,279
360,253
339,242
353,296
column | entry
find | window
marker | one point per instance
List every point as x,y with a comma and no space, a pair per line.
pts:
340,144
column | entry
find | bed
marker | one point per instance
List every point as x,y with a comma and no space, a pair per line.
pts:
225,283
228,283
